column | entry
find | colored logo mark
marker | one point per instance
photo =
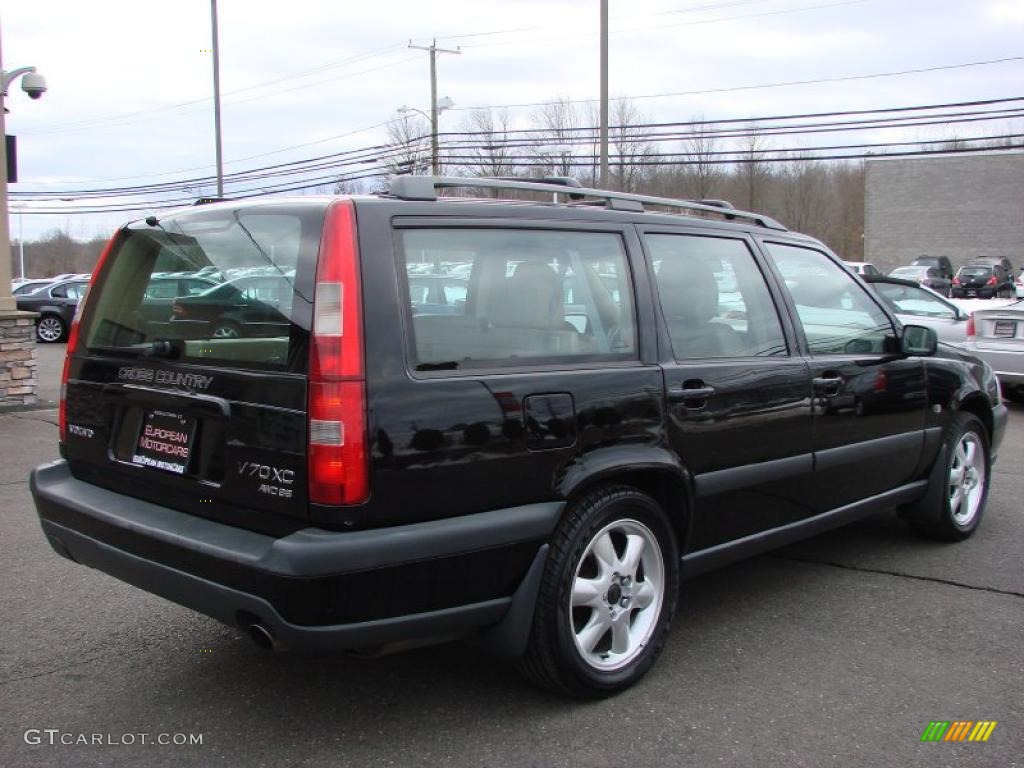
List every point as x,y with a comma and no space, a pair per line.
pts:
958,730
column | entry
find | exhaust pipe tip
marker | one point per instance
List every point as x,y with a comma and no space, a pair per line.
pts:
262,637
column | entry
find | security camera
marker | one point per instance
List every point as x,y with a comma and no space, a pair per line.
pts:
34,85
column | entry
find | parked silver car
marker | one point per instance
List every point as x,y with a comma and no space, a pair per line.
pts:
916,305
997,337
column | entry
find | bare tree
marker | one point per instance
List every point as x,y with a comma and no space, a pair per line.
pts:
631,144
559,122
753,169
699,151
806,185
409,138
492,153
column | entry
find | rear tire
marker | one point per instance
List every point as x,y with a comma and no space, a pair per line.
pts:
51,329
607,596
955,503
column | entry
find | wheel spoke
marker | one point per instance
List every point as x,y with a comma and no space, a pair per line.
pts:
645,595
587,592
604,551
969,450
634,551
620,634
956,500
598,626
961,455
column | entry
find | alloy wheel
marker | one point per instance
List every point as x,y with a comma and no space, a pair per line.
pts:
50,329
616,596
966,479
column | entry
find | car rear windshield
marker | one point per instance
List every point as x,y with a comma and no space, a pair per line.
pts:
975,271
214,286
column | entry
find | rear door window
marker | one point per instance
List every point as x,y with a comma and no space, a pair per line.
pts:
510,298
257,317
714,298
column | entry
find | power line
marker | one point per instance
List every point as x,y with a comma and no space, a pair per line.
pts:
583,134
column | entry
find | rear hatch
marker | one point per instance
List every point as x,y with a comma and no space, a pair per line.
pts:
199,403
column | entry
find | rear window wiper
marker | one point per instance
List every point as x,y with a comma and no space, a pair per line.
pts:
448,365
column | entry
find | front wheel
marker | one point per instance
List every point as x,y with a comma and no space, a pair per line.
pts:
607,595
955,503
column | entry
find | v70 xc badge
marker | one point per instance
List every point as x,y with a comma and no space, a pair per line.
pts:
274,475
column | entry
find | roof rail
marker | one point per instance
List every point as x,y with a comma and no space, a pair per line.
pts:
425,188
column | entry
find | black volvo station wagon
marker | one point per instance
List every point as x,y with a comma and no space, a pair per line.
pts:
589,401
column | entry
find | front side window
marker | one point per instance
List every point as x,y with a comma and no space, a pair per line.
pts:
714,298
837,315
483,298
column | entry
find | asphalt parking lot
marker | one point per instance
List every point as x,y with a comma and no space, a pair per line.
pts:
836,651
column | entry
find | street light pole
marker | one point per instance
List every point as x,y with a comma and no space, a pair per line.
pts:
433,50
216,98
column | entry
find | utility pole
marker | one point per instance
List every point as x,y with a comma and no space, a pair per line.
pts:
216,99
604,94
433,50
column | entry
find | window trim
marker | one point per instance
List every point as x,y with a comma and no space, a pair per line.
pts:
551,364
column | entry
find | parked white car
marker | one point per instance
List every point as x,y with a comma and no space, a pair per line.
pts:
914,304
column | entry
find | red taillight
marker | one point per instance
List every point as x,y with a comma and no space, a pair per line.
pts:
991,280
178,310
970,326
62,411
338,462
956,281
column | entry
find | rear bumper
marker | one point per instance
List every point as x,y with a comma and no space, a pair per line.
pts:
313,589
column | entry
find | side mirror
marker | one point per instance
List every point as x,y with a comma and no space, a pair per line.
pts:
919,341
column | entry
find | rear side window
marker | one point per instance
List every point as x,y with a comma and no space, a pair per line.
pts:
254,316
497,298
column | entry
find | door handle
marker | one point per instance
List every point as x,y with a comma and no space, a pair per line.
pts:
827,384
682,393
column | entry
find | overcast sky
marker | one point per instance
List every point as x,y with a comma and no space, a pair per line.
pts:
130,81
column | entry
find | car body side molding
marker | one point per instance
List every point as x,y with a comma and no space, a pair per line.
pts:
696,563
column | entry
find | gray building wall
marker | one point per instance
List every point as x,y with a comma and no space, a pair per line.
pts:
960,206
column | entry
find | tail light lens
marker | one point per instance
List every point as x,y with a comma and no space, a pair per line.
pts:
970,327
72,347
178,310
338,461
956,281
991,280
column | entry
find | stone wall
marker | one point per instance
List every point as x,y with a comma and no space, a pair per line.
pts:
17,359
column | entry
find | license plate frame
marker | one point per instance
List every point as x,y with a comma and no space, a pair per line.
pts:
1005,329
165,441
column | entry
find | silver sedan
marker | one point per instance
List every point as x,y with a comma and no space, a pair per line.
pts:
998,339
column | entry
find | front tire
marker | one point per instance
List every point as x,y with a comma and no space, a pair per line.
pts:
607,596
955,503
